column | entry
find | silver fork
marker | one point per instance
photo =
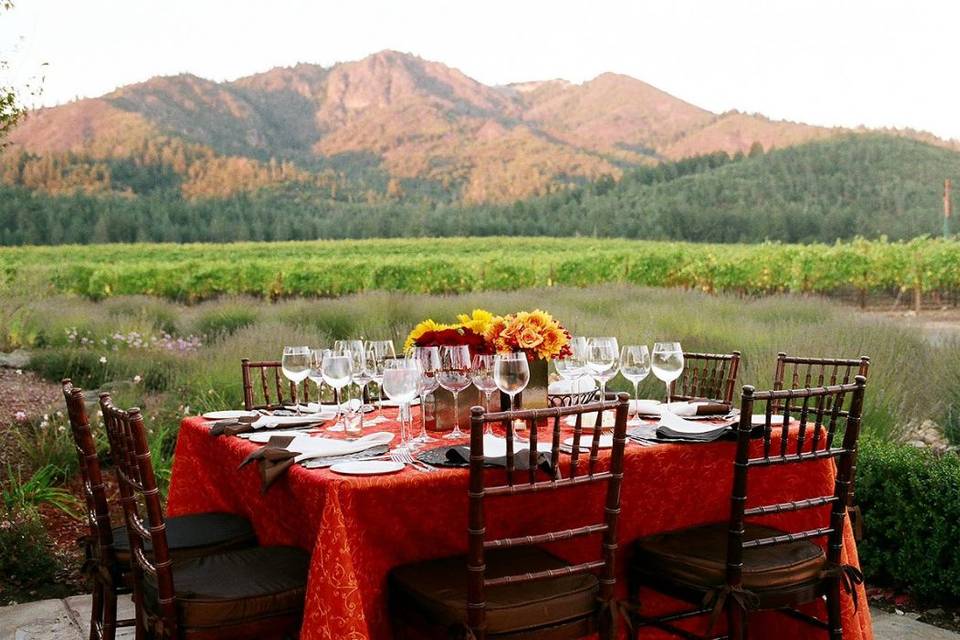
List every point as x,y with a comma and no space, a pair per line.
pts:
406,458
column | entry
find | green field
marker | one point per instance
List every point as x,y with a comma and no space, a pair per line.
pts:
196,272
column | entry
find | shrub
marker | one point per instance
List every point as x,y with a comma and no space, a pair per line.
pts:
18,495
911,508
48,441
26,559
225,321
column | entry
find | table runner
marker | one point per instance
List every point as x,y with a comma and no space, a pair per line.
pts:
357,529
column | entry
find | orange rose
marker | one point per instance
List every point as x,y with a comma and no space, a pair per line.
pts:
529,338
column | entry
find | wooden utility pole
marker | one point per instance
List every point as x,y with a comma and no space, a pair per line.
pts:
947,208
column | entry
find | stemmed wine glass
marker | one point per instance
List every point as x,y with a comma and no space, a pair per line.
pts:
316,371
295,365
382,352
429,360
362,376
635,366
454,376
401,381
602,361
667,363
573,368
337,372
482,375
512,374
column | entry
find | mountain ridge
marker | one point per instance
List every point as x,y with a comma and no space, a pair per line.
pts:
389,126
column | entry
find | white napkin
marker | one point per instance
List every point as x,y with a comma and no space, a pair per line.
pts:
271,422
646,407
680,426
309,447
496,447
759,419
564,387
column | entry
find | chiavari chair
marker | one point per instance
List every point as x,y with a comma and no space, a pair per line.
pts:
108,548
743,565
263,386
707,376
511,587
255,592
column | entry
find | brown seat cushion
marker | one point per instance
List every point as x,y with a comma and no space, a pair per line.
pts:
236,587
697,558
195,535
438,591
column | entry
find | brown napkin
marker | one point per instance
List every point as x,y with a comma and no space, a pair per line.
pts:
713,409
273,458
230,428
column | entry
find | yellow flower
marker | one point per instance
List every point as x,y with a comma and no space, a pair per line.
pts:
478,321
422,328
529,338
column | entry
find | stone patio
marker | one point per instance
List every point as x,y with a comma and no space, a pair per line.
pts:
69,619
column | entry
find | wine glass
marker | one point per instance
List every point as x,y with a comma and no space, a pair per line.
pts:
429,360
603,356
295,365
573,368
667,362
316,371
635,366
337,372
481,373
512,374
454,376
359,364
401,382
383,351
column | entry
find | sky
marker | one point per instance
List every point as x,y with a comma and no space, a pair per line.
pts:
827,62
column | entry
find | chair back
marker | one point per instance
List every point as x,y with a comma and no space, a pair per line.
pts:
263,386
143,514
519,482
707,376
819,415
94,492
572,399
795,372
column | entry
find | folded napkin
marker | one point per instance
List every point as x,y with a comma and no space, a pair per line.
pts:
675,427
232,426
698,408
282,452
494,454
460,456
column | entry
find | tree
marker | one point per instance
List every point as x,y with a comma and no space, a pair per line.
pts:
11,111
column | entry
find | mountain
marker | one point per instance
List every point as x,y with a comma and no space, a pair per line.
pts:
868,185
390,127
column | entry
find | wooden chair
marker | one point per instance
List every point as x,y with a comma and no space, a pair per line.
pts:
742,565
256,592
508,587
108,549
267,376
707,376
102,565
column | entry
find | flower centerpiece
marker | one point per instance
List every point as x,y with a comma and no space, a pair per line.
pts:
535,333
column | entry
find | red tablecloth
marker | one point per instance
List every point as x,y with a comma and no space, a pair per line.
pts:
357,529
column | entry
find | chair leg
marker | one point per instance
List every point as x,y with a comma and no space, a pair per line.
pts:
97,622
736,621
834,617
109,612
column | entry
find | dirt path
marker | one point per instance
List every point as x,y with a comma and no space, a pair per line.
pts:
23,391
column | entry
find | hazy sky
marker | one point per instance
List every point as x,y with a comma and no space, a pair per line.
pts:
829,62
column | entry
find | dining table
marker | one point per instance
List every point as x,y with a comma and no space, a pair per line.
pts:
359,528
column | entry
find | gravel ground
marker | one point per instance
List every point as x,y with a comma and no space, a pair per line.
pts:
23,391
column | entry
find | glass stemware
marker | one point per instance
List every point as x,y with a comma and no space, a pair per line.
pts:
337,372
316,371
667,363
295,365
603,356
454,376
512,374
635,366
382,351
401,382
429,360
360,364
573,368
481,373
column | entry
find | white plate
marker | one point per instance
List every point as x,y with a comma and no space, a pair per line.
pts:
606,442
229,415
367,467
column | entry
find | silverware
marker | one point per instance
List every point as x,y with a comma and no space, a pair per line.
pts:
404,457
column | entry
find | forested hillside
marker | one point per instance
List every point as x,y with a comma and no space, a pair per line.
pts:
867,185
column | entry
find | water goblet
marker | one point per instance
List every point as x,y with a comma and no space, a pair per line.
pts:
512,374
667,363
295,365
603,356
454,376
401,382
481,373
429,360
635,366
337,373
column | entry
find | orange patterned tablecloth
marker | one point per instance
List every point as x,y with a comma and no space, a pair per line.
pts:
357,529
